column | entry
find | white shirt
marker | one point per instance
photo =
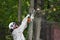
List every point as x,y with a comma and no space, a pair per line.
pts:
18,32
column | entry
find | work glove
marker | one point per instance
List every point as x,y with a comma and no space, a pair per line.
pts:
28,15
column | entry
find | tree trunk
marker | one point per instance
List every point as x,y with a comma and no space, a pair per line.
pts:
37,20
19,10
37,26
30,31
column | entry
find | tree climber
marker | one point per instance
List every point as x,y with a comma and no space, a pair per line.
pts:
17,30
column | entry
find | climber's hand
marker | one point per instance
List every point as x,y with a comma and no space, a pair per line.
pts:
28,20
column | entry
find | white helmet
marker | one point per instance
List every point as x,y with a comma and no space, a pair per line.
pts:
11,25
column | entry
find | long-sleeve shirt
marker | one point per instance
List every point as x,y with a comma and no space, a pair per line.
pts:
18,32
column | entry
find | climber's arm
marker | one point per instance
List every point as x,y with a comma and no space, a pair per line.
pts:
23,24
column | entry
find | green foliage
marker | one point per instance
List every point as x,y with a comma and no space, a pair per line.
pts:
52,9
9,13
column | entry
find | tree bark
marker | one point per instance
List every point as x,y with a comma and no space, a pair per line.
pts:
30,30
19,10
37,20
37,26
